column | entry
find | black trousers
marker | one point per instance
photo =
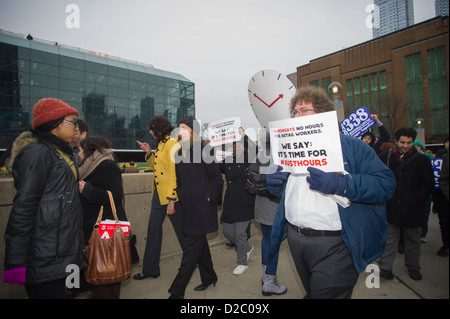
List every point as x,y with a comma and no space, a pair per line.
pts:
324,265
196,252
55,289
152,252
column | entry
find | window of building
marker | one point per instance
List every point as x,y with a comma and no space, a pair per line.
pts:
365,91
414,87
374,92
437,90
349,94
357,92
325,84
382,99
314,83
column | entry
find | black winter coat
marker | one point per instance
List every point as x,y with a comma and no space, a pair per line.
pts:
238,204
106,176
44,231
199,185
414,184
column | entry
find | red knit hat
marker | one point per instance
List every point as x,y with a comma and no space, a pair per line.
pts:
49,109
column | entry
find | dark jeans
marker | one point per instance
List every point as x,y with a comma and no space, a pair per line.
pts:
268,259
154,234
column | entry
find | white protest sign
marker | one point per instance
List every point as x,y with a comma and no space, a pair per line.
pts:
224,131
305,141
357,122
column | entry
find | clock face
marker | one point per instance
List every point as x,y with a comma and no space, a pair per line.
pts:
270,93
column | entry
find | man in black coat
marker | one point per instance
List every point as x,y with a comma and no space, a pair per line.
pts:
415,182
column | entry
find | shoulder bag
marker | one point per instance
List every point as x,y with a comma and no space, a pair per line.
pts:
256,182
109,259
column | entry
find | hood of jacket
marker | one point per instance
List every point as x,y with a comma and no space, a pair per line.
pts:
416,142
372,136
24,139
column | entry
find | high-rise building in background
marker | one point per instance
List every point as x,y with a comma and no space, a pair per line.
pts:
391,16
441,7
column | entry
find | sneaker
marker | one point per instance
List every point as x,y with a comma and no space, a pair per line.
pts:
424,240
239,270
415,274
386,274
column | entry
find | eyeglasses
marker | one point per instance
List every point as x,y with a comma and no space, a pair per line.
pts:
301,111
70,122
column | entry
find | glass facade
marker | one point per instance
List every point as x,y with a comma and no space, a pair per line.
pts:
115,98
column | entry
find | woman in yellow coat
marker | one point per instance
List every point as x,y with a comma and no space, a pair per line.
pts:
164,194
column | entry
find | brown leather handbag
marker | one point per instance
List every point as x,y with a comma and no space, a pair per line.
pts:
109,258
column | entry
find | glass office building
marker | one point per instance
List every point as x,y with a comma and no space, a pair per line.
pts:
115,97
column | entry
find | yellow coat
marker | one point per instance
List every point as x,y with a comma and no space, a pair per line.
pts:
162,163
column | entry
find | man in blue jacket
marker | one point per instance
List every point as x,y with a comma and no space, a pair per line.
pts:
330,244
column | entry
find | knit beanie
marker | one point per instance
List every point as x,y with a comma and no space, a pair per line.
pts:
50,109
188,121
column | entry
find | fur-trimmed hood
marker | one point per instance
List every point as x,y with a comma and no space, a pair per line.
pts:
24,139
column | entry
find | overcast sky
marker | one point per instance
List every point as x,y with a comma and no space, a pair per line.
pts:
217,44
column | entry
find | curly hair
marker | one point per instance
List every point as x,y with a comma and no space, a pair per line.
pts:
405,131
161,127
317,96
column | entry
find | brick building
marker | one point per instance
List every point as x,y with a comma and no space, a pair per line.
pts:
401,76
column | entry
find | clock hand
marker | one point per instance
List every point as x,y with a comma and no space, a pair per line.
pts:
261,100
279,97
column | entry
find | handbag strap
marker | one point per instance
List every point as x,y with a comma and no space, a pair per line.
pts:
113,208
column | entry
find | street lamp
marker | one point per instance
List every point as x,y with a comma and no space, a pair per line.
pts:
419,122
420,130
335,89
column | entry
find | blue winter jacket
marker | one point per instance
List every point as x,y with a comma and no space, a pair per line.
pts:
370,184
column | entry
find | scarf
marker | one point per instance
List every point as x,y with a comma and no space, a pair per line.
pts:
401,157
53,139
91,163
63,148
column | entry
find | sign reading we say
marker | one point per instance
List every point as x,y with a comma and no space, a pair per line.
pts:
224,131
305,141
357,122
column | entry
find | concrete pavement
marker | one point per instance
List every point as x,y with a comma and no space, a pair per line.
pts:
434,285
